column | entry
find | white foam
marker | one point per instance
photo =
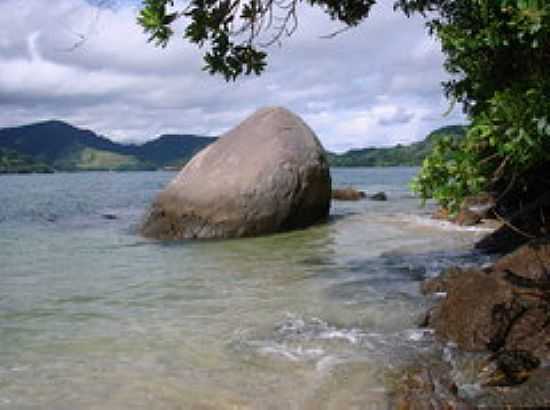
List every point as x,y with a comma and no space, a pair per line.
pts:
353,336
294,354
326,364
417,335
317,329
442,224
470,390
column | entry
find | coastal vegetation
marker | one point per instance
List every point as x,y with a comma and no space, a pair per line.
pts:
400,155
12,162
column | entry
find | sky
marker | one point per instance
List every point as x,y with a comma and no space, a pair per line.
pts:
378,84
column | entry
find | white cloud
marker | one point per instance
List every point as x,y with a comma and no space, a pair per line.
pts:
378,84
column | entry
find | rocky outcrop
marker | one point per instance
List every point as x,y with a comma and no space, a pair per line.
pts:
268,174
504,309
347,194
529,222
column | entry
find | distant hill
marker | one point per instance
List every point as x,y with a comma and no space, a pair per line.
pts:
66,148
172,150
56,145
400,155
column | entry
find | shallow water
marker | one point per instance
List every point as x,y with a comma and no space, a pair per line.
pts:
92,316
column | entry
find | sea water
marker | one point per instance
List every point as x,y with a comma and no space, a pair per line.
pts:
93,316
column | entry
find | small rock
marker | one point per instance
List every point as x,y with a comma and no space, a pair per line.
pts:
441,214
379,196
109,217
467,218
347,194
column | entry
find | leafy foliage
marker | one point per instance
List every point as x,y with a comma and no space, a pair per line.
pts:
231,29
500,52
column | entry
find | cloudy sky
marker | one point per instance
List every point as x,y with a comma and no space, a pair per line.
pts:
375,85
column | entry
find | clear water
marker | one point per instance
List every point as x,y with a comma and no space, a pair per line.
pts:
92,316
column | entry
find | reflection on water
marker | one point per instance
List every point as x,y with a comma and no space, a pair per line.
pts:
94,317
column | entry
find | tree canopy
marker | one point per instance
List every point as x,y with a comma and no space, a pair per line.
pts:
497,52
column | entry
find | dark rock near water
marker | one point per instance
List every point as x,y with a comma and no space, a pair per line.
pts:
379,196
427,388
502,312
467,218
465,316
439,284
268,174
503,308
531,261
347,194
529,222
510,368
472,211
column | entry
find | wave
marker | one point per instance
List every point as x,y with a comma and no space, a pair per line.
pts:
428,221
315,343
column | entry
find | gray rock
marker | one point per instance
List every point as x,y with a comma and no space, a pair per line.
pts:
268,174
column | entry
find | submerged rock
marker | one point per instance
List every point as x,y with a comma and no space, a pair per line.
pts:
347,194
427,387
268,174
379,196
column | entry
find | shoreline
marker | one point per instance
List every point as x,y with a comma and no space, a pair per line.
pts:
494,345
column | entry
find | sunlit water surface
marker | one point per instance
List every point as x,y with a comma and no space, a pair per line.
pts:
92,316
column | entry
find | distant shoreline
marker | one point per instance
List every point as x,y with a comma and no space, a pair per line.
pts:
119,171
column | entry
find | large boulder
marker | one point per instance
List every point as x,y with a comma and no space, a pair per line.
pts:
268,174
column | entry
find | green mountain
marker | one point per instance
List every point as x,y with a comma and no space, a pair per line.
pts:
400,155
66,148
172,150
